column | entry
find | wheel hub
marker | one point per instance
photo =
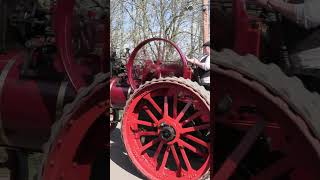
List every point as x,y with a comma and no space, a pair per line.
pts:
167,132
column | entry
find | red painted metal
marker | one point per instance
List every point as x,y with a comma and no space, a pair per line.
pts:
157,110
284,130
236,30
65,21
269,140
229,166
157,68
74,151
118,93
27,106
246,36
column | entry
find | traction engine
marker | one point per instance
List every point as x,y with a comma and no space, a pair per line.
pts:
264,127
266,123
165,123
53,88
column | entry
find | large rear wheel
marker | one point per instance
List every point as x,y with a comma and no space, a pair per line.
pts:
166,128
77,147
267,124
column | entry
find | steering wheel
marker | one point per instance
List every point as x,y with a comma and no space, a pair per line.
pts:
155,68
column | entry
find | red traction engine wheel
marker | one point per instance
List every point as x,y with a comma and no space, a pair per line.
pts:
165,124
266,124
142,68
77,148
166,127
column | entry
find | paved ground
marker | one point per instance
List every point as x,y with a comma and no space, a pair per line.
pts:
120,166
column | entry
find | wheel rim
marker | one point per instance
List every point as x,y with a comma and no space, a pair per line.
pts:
75,160
77,147
159,135
269,132
81,66
134,83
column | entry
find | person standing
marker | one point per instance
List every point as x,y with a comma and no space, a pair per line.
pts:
302,32
203,65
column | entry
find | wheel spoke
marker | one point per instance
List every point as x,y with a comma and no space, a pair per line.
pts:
196,128
175,106
278,168
191,118
152,125
153,103
166,107
186,160
232,162
192,148
176,158
197,140
156,154
147,133
149,144
145,123
246,124
151,115
184,110
165,159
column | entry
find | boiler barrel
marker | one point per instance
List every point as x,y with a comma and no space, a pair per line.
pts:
28,107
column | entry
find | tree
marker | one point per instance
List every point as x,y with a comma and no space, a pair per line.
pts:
180,21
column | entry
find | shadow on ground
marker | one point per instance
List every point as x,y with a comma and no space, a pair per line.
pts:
118,154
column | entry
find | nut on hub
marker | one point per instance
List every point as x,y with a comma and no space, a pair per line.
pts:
167,132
